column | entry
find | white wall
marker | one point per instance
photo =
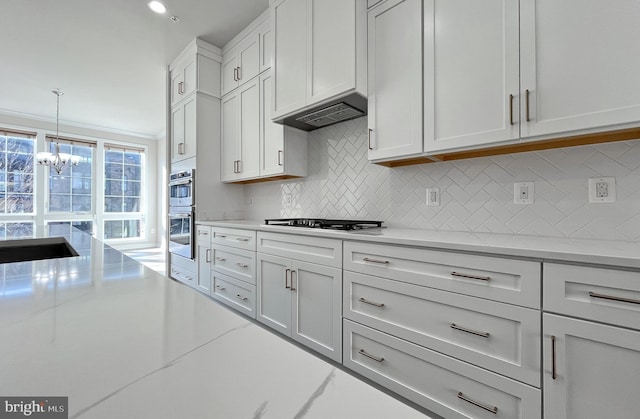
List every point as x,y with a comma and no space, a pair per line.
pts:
476,194
154,157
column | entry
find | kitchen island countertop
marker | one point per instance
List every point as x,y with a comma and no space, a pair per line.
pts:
122,341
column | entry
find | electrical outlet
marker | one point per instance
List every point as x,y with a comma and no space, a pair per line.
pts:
602,189
523,193
433,197
287,200
250,201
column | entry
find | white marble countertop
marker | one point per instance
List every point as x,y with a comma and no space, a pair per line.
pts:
122,341
618,254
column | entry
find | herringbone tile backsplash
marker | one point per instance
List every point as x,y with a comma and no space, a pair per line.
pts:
476,194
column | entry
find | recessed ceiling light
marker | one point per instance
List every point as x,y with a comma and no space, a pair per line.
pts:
157,7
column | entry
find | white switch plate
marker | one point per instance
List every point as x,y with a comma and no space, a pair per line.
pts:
433,197
602,189
523,193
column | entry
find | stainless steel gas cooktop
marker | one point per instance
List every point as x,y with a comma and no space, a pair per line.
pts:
324,223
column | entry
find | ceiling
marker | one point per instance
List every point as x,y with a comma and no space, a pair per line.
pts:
108,57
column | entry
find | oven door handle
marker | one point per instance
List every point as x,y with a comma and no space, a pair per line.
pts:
180,182
180,215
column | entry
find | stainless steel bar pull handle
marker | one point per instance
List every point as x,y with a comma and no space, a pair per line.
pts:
613,298
527,105
220,259
383,262
553,357
180,148
241,297
286,278
208,256
280,152
242,265
239,74
488,408
368,355
369,138
473,332
511,109
181,88
235,73
242,239
364,300
463,275
292,287
220,288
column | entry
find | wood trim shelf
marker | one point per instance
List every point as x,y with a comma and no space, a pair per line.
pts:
573,141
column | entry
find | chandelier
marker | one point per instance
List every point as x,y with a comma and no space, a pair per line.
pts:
57,160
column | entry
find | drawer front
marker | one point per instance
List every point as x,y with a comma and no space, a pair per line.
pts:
241,239
507,280
318,250
500,337
240,264
236,294
444,385
203,235
183,276
605,295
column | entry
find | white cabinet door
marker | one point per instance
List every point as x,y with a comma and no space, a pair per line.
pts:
184,130
471,73
273,305
203,282
579,63
272,134
248,58
266,48
290,61
230,136
316,310
332,47
395,79
229,72
249,152
591,371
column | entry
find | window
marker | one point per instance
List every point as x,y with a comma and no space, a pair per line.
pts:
123,170
71,190
15,230
63,228
16,173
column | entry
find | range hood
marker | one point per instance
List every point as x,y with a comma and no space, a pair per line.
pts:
342,109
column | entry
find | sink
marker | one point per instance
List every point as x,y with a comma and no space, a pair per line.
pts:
24,250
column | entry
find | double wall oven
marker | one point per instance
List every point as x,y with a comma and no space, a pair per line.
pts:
182,213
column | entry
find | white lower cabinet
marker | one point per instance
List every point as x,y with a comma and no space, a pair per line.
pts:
203,257
442,384
591,370
301,300
237,294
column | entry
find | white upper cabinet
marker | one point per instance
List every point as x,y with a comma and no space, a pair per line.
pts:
471,79
395,79
283,150
241,63
266,47
194,71
184,130
580,62
241,133
320,51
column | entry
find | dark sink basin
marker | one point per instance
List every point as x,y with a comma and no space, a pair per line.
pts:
35,249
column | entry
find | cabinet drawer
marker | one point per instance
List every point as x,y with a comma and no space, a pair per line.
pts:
241,239
508,280
444,385
497,336
183,276
306,248
241,264
203,235
606,295
236,294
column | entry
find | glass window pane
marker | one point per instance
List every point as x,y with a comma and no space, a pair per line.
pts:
132,189
59,184
86,226
19,203
21,145
3,202
133,158
81,185
16,230
131,205
113,229
131,228
59,203
113,187
58,228
132,172
19,162
113,156
81,203
3,182
113,171
22,183
113,204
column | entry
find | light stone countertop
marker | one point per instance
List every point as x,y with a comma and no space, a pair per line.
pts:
618,254
122,341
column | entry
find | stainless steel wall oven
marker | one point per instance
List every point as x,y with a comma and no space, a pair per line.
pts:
182,214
